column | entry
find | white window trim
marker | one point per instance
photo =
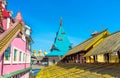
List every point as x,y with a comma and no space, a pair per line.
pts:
20,60
23,56
6,61
17,59
16,55
27,58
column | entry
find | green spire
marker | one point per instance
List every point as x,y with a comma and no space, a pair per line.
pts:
61,43
61,21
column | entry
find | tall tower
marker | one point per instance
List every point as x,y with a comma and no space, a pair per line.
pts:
60,46
61,43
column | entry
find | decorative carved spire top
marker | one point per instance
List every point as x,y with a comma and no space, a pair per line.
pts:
61,21
19,16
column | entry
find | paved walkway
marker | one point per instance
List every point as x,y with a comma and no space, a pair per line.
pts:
37,66
81,71
35,70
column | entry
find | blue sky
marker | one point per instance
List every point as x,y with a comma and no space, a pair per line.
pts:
80,18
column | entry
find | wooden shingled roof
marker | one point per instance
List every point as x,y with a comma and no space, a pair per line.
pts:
87,44
108,45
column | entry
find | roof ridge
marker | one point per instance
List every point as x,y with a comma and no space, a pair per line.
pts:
114,33
90,38
112,37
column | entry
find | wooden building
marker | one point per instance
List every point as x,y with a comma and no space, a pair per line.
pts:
76,53
108,51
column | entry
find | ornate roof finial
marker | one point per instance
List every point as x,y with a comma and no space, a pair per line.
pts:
60,21
19,16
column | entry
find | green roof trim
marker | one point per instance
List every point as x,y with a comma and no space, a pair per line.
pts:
16,72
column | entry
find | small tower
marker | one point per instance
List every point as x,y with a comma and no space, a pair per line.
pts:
19,19
40,53
34,52
60,46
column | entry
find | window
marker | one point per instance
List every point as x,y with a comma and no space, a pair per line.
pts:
20,56
63,32
7,54
15,55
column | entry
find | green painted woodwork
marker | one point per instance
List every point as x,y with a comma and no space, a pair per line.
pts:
16,72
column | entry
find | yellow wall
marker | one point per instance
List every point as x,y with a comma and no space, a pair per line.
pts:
92,59
113,58
57,59
101,58
87,60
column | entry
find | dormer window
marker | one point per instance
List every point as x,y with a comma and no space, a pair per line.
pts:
27,30
60,39
63,32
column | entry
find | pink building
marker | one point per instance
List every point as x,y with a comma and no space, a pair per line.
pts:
15,59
